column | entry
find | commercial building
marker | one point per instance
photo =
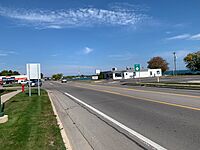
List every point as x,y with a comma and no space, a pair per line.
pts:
14,78
130,73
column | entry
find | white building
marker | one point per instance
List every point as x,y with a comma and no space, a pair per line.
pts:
148,73
129,74
16,78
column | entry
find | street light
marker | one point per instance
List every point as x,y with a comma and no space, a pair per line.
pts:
174,71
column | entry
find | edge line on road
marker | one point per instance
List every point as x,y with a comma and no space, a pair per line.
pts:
145,140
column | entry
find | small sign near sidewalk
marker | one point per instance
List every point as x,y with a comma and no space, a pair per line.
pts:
34,72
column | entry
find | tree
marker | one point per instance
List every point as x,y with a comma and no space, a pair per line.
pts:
158,63
101,76
192,61
57,76
9,73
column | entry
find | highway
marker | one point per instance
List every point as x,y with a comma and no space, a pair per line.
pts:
167,117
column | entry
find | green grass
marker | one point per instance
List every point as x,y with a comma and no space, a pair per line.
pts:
167,85
31,125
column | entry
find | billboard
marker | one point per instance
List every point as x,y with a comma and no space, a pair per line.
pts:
33,71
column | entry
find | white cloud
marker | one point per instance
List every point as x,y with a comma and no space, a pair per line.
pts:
195,37
54,55
87,50
74,17
122,57
69,69
3,54
6,52
179,37
185,37
168,32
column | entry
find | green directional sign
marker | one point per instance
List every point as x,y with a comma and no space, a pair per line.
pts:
137,67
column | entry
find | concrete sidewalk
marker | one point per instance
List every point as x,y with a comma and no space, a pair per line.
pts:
6,97
85,130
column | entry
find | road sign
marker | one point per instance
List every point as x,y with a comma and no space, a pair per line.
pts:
33,72
137,67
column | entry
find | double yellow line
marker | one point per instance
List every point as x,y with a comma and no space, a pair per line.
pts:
146,99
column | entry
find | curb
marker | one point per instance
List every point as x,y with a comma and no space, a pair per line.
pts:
62,131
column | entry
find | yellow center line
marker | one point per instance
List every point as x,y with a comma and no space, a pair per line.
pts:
143,98
144,91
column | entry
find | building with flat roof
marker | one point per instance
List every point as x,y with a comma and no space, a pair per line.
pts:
130,73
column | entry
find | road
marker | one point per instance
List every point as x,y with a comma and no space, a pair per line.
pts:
169,118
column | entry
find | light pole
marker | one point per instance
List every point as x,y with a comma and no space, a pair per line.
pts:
174,71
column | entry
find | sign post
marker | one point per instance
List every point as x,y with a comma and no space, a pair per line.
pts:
137,69
33,72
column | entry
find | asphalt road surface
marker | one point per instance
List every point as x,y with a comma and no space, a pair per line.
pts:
169,118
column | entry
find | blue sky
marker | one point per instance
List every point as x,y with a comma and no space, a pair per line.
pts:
72,36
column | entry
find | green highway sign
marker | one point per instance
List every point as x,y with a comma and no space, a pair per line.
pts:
137,67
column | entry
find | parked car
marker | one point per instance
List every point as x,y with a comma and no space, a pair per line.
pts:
24,82
64,81
34,82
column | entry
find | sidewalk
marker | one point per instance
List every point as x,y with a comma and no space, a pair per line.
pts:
76,141
8,96
85,130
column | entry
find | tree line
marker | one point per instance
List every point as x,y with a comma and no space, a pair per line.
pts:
9,73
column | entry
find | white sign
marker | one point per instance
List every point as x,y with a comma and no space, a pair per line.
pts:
33,71
97,72
94,77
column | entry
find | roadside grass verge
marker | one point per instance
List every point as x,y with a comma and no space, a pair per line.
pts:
167,85
31,125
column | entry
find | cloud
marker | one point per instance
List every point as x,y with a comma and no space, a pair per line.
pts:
6,53
179,37
87,50
69,69
79,17
55,55
122,57
185,37
3,54
195,37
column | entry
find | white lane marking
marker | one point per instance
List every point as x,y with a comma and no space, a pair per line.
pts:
134,133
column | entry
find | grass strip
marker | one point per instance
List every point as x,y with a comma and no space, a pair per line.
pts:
166,85
32,124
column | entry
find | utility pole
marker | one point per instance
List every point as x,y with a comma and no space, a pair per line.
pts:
174,71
